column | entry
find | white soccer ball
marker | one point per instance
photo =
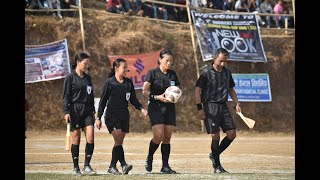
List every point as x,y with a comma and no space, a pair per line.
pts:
173,94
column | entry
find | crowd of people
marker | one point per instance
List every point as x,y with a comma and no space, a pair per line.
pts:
53,4
167,12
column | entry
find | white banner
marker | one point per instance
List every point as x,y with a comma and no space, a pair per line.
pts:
47,61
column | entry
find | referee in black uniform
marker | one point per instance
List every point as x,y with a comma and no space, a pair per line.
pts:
161,112
211,94
78,106
117,91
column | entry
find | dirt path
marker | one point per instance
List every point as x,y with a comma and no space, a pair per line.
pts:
250,153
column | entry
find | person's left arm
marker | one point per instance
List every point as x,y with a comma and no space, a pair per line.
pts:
233,93
94,109
234,97
135,102
177,80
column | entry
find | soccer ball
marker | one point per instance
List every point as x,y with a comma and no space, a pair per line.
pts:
173,93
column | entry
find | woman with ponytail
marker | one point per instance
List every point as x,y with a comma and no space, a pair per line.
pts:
78,107
162,113
118,90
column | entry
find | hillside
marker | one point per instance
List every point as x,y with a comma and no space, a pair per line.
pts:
117,35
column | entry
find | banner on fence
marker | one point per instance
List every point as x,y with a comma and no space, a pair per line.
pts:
47,62
138,66
238,33
252,87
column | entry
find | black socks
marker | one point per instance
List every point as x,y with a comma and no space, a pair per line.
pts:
224,144
215,152
75,155
152,149
88,153
165,150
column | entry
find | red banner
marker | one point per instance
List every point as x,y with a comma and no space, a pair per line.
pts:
139,65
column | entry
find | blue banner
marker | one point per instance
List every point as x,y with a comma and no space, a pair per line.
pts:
252,87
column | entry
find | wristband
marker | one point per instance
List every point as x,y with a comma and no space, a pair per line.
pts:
199,106
152,96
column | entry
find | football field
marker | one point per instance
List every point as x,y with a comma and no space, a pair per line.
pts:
252,155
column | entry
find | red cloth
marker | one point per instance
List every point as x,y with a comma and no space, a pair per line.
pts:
112,3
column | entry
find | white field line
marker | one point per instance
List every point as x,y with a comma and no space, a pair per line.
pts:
182,154
182,173
172,139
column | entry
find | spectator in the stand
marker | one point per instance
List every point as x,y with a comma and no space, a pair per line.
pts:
252,6
195,3
32,4
258,2
217,4
27,3
147,9
204,3
65,4
133,7
290,18
172,10
42,4
177,13
279,9
182,12
228,5
115,6
241,6
160,9
265,7
55,4
210,4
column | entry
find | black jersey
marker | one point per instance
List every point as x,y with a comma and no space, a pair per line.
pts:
215,85
117,95
77,90
160,81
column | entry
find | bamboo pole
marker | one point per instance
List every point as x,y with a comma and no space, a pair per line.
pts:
286,25
81,26
294,12
192,38
194,49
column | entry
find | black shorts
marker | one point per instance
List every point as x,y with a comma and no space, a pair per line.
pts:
81,116
117,119
217,115
162,113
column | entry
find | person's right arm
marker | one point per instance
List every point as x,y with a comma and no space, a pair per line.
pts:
102,103
67,98
146,89
197,93
103,100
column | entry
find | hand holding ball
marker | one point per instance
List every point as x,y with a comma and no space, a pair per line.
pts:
173,94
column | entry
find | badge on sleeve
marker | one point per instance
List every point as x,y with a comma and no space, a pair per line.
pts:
172,83
89,88
128,96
